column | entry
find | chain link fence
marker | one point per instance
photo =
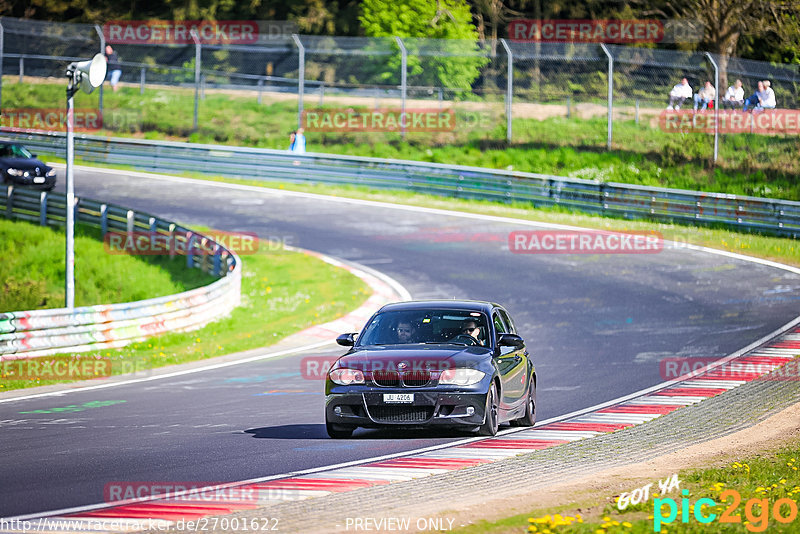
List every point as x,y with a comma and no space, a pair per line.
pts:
486,85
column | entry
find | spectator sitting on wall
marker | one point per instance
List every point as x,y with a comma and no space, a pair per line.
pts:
678,94
705,95
768,101
763,98
734,96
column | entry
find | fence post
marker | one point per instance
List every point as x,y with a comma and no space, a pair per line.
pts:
509,87
104,219
197,59
99,31
716,106
301,77
403,80
610,94
2,38
142,80
43,208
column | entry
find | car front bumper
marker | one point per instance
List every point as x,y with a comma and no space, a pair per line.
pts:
428,408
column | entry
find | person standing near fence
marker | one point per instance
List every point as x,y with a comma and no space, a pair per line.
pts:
679,93
298,142
114,68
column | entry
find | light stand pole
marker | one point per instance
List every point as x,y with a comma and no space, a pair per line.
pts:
69,290
86,75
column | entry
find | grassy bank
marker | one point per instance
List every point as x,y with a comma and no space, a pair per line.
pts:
282,292
643,154
760,482
32,270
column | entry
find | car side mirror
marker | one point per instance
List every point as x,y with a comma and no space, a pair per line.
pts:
510,340
346,340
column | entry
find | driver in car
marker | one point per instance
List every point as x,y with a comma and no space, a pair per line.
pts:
405,332
471,328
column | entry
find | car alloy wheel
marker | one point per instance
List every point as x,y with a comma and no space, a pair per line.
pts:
490,424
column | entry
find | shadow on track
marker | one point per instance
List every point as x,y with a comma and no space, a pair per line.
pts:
318,432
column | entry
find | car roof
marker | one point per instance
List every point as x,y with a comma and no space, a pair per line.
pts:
472,305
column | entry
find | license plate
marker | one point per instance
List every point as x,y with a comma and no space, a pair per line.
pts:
398,397
38,179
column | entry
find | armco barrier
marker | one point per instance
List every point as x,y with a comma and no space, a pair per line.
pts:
779,217
29,334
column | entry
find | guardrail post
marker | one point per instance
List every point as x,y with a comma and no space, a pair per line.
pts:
198,53
76,209
9,201
403,88
104,219
43,208
716,106
189,249
636,116
130,219
99,31
610,94
142,76
301,77
569,106
173,245
217,259
21,68
509,87
260,89
321,94
202,87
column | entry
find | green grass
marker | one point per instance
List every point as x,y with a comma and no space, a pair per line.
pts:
32,270
770,476
749,164
282,292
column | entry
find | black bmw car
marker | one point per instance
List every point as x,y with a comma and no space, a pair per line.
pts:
19,167
432,363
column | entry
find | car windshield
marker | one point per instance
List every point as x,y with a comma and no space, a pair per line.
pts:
14,151
401,327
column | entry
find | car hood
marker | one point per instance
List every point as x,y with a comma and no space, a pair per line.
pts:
414,357
23,163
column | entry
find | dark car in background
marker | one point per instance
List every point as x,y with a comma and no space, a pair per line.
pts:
20,167
457,364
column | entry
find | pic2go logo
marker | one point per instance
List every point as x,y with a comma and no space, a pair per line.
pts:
756,511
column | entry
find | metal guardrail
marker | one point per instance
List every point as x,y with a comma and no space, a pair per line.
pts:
781,217
27,334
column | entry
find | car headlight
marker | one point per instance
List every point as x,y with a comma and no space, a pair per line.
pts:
15,172
345,377
461,377
50,173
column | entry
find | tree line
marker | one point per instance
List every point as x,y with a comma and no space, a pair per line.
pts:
756,29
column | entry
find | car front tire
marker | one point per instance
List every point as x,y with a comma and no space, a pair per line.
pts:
339,431
490,424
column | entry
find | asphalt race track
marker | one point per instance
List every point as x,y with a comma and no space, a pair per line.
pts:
597,325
